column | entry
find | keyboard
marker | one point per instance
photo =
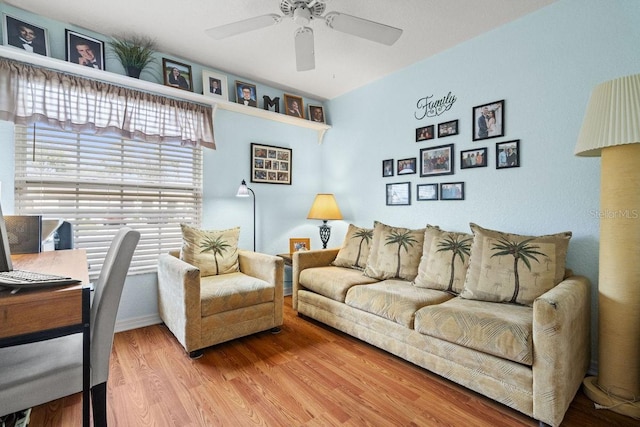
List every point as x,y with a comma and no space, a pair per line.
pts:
20,279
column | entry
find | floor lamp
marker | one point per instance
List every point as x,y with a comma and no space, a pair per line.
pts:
324,207
611,129
243,191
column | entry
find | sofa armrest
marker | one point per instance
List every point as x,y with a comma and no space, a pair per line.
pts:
269,268
308,259
179,299
562,347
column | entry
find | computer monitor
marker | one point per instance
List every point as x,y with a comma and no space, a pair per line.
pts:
5,251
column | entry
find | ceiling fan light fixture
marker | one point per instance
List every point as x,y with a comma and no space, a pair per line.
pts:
302,16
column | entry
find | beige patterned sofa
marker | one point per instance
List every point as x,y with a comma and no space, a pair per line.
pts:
205,300
529,350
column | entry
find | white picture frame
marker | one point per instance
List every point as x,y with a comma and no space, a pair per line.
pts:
209,79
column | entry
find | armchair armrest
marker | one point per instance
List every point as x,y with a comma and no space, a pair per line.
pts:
308,259
269,268
179,299
561,346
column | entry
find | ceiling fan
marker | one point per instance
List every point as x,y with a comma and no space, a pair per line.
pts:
304,12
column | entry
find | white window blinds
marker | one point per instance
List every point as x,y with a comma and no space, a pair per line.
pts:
100,183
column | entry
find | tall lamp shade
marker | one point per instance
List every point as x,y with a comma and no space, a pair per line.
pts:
611,130
324,208
244,191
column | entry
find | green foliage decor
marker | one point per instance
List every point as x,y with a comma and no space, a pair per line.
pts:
134,52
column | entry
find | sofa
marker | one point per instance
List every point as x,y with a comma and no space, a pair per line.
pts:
450,306
208,297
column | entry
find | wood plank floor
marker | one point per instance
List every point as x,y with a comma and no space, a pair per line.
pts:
307,375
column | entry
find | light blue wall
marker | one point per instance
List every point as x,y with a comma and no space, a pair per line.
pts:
544,66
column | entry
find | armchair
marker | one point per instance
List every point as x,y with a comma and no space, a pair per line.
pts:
203,311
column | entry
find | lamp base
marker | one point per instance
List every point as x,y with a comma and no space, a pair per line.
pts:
608,401
325,233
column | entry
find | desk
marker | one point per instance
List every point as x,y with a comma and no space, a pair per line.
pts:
41,314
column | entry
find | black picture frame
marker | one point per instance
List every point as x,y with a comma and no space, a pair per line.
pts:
271,164
469,158
14,29
246,94
425,133
452,191
84,50
449,128
508,154
481,128
407,166
316,114
426,192
387,168
398,194
176,74
436,161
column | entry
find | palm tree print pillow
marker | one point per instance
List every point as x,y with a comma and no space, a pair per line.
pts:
355,248
445,259
395,252
507,267
212,251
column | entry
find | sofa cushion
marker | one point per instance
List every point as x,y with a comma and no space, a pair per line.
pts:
445,259
503,330
396,300
355,248
332,282
395,252
212,251
507,267
220,293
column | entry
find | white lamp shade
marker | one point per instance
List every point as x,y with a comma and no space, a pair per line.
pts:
243,190
325,207
612,117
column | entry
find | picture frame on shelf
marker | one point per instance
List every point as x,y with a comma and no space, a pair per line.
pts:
176,74
449,128
427,192
488,120
293,106
399,194
508,154
316,114
452,191
24,35
475,158
387,168
84,50
407,166
436,161
425,133
297,244
270,164
214,85
246,94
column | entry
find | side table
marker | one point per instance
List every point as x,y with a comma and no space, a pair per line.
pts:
288,282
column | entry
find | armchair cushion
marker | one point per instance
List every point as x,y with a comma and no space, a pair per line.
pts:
212,251
233,291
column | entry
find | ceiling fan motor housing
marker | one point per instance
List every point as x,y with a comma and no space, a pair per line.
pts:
302,11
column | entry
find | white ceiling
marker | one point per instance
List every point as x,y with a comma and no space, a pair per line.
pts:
343,62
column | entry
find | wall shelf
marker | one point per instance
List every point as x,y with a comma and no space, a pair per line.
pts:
143,85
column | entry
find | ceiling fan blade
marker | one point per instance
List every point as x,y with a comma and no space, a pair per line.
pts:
364,28
246,25
305,55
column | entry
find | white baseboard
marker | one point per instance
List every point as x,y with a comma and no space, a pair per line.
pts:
138,322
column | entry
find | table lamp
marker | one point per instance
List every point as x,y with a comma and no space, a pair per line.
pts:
243,191
611,130
324,208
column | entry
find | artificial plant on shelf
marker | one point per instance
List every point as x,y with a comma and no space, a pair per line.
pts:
134,52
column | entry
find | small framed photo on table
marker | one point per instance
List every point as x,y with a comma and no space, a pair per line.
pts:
84,50
214,85
299,244
26,36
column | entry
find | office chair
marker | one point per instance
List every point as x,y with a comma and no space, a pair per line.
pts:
36,373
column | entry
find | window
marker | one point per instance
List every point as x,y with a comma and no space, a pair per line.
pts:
100,183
